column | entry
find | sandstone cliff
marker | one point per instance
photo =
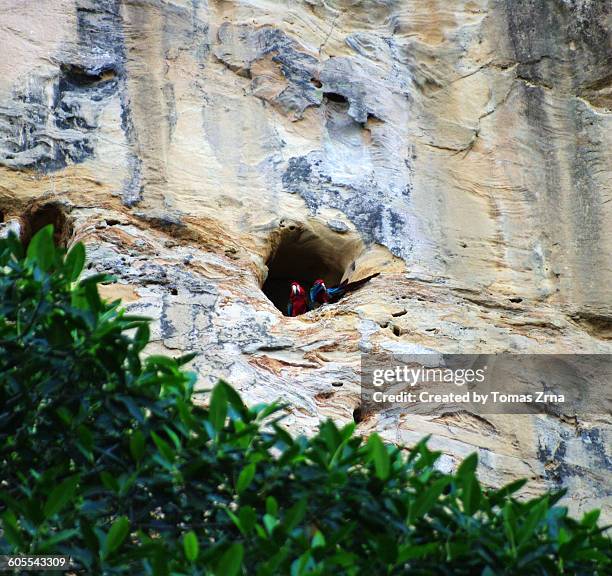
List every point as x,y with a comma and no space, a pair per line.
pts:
202,148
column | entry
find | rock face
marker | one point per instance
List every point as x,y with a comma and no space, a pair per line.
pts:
464,149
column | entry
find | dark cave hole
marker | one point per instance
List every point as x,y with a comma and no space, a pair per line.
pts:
358,415
316,83
39,217
302,262
1,216
335,97
79,76
516,300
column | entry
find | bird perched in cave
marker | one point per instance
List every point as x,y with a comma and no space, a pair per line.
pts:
298,300
320,294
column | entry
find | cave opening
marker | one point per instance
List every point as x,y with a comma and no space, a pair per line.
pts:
335,97
40,216
79,76
303,262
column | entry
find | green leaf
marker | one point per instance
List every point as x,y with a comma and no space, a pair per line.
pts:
535,516
191,546
236,520
509,518
378,451
471,495
95,279
245,478
173,436
184,410
92,296
302,565
141,338
498,496
386,548
161,363
248,518
65,415
412,552
56,538
116,535
218,407
468,466
186,358
11,529
160,561
318,540
270,522
41,249
60,496
272,506
331,435
132,407
590,518
295,514
75,260
137,445
109,481
164,448
233,398
426,500
231,561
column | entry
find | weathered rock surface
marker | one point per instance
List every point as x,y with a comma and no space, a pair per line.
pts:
464,149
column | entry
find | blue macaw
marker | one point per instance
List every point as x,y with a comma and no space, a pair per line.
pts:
321,294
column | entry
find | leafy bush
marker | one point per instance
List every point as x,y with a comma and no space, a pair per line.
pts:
105,458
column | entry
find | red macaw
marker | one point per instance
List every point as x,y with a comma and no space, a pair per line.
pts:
298,301
321,294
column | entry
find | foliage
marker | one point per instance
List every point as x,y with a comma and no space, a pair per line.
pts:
105,458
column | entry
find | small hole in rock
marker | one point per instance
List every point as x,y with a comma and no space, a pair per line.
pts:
38,217
337,384
335,97
174,291
316,82
516,300
79,76
358,415
1,216
396,330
